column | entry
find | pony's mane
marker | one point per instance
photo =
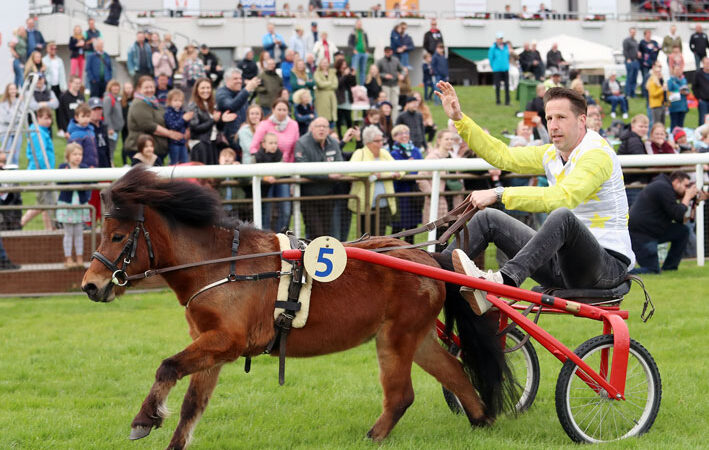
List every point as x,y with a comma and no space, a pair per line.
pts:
179,201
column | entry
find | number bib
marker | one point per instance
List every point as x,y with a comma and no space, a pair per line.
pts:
325,259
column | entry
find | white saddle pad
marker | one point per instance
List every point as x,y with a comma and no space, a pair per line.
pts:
300,316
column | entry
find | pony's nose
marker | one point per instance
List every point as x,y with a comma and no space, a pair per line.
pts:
90,289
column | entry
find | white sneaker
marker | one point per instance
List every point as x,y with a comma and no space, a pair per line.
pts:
613,115
625,115
60,133
475,297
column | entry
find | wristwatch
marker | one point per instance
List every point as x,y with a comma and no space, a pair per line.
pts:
499,190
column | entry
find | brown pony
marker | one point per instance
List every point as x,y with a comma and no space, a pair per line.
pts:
396,308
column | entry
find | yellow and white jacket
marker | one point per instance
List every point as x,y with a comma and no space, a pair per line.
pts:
590,184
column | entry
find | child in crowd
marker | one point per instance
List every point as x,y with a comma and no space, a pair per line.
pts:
409,208
227,191
682,144
427,77
177,119
146,152
270,153
72,220
254,116
105,156
304,110
113,114
40,145
82,132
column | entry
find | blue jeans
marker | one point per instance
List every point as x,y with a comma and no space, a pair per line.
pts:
677,119
703,110
283,215
178,153
403,59
646,76
359,63
19,72
436,79
428,89
616,100
17,141
562,253
3,254
631,80
645,248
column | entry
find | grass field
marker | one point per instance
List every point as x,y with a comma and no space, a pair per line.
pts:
73,375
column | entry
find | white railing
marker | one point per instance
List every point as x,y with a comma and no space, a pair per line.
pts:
257,171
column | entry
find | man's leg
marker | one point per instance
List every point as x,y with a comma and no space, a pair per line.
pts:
506,79
646,75
678,235
629,84
645,249
703,110
496,78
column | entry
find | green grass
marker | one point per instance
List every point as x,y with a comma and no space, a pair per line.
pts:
74,373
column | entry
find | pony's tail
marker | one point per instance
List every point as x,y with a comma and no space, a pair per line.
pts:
481,352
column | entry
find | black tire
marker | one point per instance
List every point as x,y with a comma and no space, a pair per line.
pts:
524,365
589,417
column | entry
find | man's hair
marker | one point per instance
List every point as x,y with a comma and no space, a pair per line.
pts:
639,118
82,110
175,93
679,175
44,111
578,102
231,71
269,134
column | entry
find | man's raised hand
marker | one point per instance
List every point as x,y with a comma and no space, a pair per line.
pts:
449,100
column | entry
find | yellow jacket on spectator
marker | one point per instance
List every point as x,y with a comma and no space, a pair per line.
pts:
364,154
655,92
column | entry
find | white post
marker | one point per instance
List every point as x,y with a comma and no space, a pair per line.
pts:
256,198
433,213
296,209
699,217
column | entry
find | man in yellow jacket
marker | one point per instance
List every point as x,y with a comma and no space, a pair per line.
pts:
584,243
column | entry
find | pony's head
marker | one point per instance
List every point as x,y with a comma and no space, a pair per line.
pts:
143,212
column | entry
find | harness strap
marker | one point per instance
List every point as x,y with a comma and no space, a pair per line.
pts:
234,277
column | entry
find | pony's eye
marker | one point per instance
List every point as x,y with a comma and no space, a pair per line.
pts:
117,238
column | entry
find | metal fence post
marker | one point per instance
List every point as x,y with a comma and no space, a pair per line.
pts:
296,209
699,217
256,198
433,212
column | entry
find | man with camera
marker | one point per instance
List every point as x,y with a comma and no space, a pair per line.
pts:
656,217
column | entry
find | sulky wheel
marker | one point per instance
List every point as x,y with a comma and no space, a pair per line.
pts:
588,416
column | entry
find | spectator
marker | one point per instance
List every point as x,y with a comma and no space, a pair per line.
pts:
162,88
146,117
682,144
35,64
301,77
113,114
632,55
43,96
76,52
68,101
358,41
316,5
326,84
317,146
700,88
211,65
254,116
671,40
91,35
658,144
429,126
35,40
386,122
554,58
657,217
577,85
391,71
82,133
594,121
537,103
297,42
205,122
5,262
324,49
508,14
248,67
103,149
409,208
192,67
55,73
413,120
499,57
657,92
401,43
304,112
7,110
373,150
18,48
554,79
287,68
167,39
310,62
346,80
439,64
283,126
531,61
154,40
610,92
525,13
631,143
444,145
140,59
675,59
427,75
269,152
176,119
73,220
164,61
227,192
272,40
146,152
231,97
40,156
114,13
698,43
311,37
373,83
126,101
649,49
98,69
432,38
270,87
677,91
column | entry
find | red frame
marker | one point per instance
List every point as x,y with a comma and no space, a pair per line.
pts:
612,318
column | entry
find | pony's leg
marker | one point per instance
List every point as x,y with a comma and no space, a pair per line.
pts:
395,355
209,349
202,385
433,358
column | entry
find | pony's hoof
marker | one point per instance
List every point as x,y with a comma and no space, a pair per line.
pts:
139,432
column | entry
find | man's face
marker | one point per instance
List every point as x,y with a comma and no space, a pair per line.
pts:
92,24
681,186
270,28
640,128
98,46
140,37
388,53
434,23
632,32
698,28
270,64
162,82
52,50
96,114
320,130
647,34
234,82
358,25
75,85
565,128
673,29
30,24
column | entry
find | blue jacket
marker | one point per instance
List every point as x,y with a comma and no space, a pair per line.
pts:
396,40
439,64
175,122
93,67
674,84
236,102
65,196
648,52
499,58
133,60
86,137
48,148
34,40
270,45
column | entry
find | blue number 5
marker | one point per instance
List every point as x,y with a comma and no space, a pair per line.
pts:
323,259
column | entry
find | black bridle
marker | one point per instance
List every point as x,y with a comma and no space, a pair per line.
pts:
119,276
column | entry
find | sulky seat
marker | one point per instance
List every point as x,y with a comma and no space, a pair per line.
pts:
611,296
